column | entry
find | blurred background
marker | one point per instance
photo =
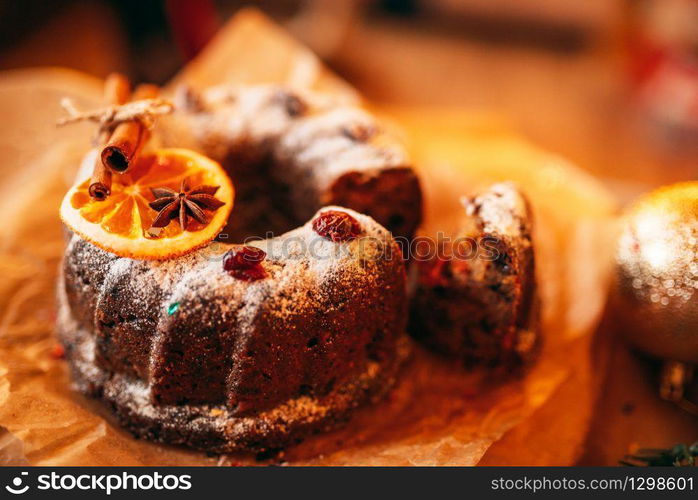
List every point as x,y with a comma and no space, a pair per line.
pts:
611,84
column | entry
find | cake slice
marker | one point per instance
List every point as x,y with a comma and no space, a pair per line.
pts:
476,300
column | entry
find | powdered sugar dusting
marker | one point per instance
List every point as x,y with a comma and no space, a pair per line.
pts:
148,304
298,263
501,209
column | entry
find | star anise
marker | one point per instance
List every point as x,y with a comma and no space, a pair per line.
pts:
186,203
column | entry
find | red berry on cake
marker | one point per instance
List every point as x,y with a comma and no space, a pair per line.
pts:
245,263
336,226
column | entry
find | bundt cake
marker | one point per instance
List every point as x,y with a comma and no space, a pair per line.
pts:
476,300
289,153
254,346
239,347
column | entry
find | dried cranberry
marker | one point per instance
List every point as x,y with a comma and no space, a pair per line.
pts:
244,263
336,226
433,273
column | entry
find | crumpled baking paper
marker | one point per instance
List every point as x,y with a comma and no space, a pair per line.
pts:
438,414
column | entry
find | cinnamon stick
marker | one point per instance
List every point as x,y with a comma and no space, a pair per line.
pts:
117,90
128,138
100,183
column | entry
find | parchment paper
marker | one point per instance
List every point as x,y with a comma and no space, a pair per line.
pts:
438,415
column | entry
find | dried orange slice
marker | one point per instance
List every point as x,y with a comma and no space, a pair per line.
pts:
123,223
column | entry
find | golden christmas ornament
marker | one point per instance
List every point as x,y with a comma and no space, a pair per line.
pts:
656,292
